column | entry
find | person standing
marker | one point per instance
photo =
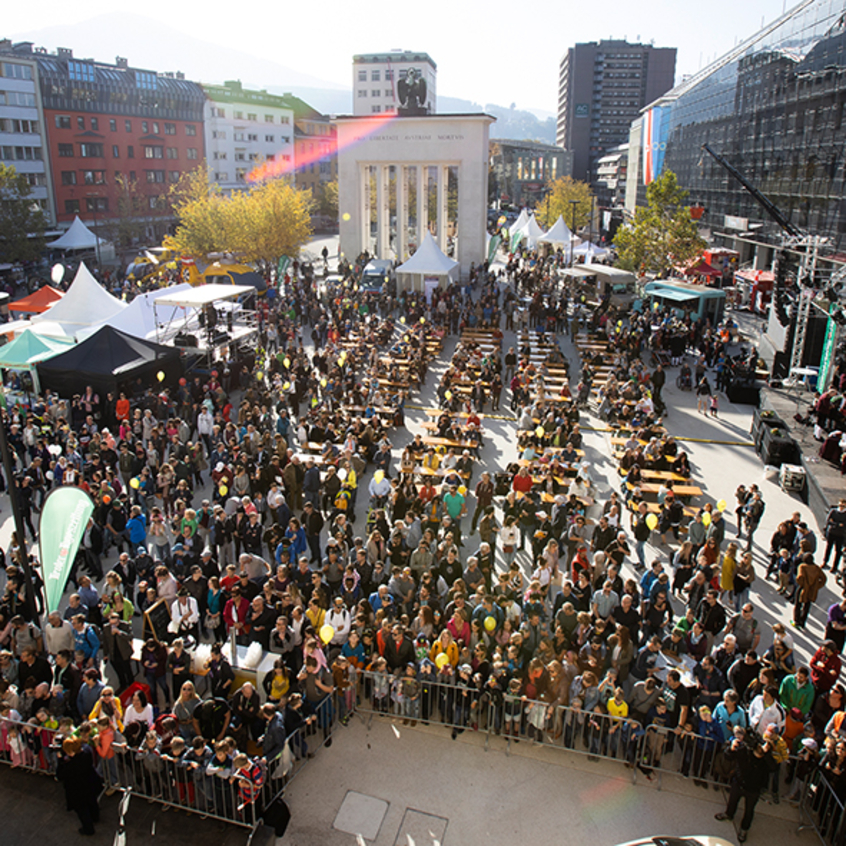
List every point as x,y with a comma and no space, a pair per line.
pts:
484,498
835,535
117,648
753,764
810,580
81,782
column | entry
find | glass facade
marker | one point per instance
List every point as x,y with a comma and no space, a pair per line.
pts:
774,109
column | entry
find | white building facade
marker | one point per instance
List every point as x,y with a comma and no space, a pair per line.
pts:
23,143
375,78
243,130
427,172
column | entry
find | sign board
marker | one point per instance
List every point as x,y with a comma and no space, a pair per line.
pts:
828,349
741,224
582,110
156,621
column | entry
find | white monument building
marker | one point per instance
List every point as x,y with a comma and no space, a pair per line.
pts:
399,176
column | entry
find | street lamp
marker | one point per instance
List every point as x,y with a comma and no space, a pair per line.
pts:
573,203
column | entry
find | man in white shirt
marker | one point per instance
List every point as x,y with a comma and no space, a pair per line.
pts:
339,618
58,634
185,614
765,710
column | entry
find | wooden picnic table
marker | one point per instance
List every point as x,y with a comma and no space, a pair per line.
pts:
437,412
678,490
433,440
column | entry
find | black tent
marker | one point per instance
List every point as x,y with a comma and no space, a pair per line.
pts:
110,360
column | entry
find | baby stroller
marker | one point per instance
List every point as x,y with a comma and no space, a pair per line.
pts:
685,378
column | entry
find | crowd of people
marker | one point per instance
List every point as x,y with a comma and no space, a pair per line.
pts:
535,621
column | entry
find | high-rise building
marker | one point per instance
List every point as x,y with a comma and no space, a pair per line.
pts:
521,170
243,129
601,89
23,142
376,77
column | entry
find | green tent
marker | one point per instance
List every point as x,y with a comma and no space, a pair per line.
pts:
28,349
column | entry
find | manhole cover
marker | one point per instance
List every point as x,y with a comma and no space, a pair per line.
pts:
361,814
420,829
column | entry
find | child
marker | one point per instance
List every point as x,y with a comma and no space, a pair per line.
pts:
410,695
512,709
183,777
196,760
219,770
381,686
714,404
152,765
249,776
343,674
103,745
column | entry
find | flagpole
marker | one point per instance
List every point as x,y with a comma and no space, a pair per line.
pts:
16,513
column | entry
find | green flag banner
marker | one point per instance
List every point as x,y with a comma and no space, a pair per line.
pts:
63,520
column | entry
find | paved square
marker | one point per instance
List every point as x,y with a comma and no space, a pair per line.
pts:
361,814
420,829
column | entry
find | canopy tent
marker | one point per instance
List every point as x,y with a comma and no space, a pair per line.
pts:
702,268
38,302
237,274
110,361
144,315
202,295
28,349
428,261
522,220
559,233
530,232
78,237
590,250
87,304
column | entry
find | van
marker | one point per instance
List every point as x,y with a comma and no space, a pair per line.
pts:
375,274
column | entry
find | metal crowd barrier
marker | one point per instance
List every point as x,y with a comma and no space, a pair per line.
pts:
821,809
207,791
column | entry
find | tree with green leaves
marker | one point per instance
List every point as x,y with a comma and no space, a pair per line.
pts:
663,234
22,221
560,194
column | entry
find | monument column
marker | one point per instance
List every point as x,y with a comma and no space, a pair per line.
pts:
422,202
443,182
364,212
402,212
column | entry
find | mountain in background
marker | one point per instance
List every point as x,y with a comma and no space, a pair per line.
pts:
517,124
149,44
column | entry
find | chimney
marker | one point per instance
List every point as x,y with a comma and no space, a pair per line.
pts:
180,75
121,62
64,53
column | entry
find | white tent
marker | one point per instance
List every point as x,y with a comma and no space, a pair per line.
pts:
559,233
590,250
86,304
78,237
530,232
522,220
428,265
139,318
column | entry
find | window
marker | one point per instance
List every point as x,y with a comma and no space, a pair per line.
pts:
375,76
95,124
22,154
239,115
81,72
240,157
91,151
172,153
375,109
284,119
145,80
132,177
190,129
240,174
66,151
17,98
239,136
36,180
389,75
173,175
71,206
252,137
219,156
80,123
155,176
13,71
251,116
362,76
127,125
286,158
155,128
21,127
115,151
130,152
269,138
268,118
221,176
63,122
94,177
219,133
253,156
68,177
221,113
96,204
286,139
192,153
170,129
153,202
362,93
153,151
145,127
375,93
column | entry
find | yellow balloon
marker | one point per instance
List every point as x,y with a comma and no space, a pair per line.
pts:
259,375
160,375
651,521
448,394
286,386
326,633
539,431
721,505
340,361
462,489
323,383
402,319
379,475
223,490
441,661
134,483
706,519
286,361
422,319
490,623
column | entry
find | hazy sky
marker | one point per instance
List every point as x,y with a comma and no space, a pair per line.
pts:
491,52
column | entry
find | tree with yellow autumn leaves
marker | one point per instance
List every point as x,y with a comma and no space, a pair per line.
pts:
259,225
